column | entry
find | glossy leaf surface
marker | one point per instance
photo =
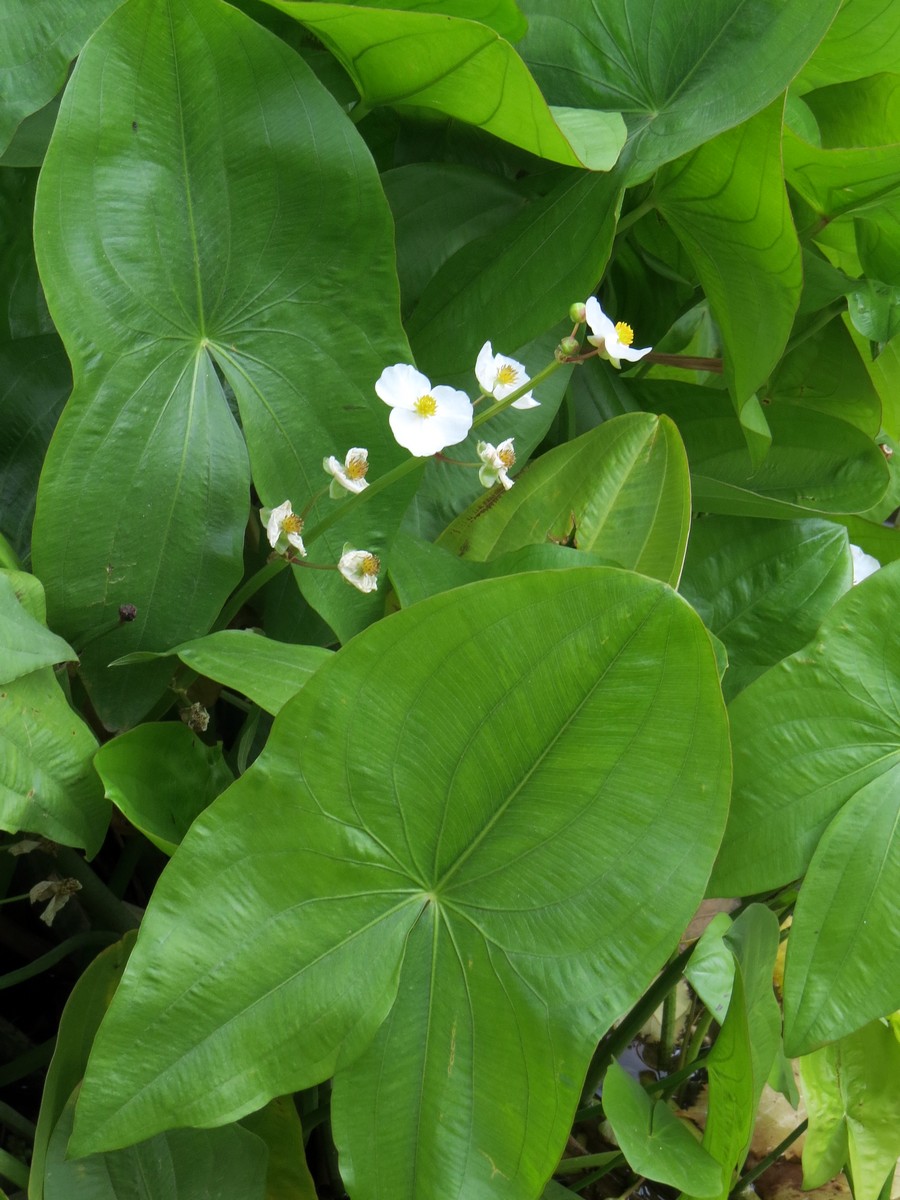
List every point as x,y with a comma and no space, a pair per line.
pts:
25,644
241,258
461,68
675,91
443,874
838,729
621,491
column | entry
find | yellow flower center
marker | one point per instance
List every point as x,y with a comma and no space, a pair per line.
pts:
370,565
507,456
292,524
425,406
624,333
507,374
356,467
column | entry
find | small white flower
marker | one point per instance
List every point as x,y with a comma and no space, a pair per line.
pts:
500,376
864,564
423,419
350,475
283,528
57,891
612,340
496,461
360,567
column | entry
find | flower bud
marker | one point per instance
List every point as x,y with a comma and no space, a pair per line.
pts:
577,314
567,346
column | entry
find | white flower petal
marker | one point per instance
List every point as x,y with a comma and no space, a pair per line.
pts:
274,523
401,385
484,369
606,336
447,425
864,564
360,568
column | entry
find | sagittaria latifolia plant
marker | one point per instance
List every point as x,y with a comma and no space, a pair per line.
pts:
447,730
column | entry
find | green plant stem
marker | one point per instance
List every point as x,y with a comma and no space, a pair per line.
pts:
667,1030
13,1170
608,1158
104,907
14,1120
771,1157
700,1031
248,589
81,941
619,1039
32,1060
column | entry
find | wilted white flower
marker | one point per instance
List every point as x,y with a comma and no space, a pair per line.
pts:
57,891
496,461
283,527
500,376
349,475
360,567
864,564
612,340
424,419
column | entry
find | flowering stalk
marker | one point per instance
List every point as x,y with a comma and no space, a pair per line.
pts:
508,401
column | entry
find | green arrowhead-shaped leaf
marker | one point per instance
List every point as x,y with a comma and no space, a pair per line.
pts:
425,840
852,1096
817,464
653,1140
161,776
840,970
763,586
728,205
622,490
837,730
287,1175
264,238
185,1164
25,644
675,91
461,68
874,310
37,43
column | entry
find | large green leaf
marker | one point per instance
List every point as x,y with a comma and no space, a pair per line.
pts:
840,183
817,464
177,237
278,1124
185,1164
511,286
81,1017
622,490
863,38
852,1095
728,205
653,1140
837,730
267,671
841,967
483,869
47,782
38,40
25,644
676,89
459,67
763,586
161,776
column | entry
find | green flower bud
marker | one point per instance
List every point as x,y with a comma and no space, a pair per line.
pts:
577,314
568,346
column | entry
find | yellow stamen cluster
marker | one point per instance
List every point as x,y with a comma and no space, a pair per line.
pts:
426,406
356,467
507,374
370,565
507,456
292,523
624,333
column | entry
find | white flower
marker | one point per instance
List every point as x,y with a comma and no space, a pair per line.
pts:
500,376
360,567
423,419
864,564
350,475
496,461
613,341
283,528
57,891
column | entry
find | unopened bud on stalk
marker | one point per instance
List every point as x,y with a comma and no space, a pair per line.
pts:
568,346
577,313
